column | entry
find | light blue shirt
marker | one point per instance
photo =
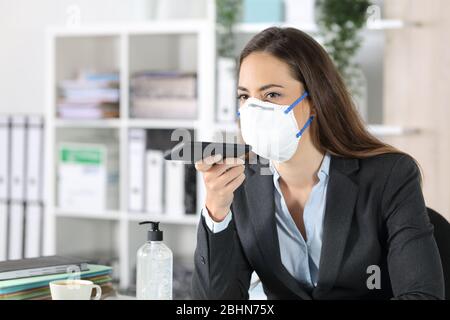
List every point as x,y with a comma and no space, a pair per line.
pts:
300,258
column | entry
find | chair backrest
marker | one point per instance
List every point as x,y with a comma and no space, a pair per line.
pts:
442,236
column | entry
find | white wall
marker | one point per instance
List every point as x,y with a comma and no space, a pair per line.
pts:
22,40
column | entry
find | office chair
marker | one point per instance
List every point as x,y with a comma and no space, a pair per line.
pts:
442,236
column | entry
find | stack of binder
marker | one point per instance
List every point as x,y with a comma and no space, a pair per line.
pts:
37,288
21,186
156,186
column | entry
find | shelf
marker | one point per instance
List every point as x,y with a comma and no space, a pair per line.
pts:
106,215
227,126
380,24
181,26
101,123
386,24
257,27
191,219
131,123
195,26
162,123
386,130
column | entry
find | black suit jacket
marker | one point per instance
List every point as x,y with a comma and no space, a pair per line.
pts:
375,215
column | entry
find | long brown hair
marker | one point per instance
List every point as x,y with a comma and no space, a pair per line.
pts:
337,127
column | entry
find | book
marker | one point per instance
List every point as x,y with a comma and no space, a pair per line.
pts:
190,187
87,111
137,140
42,293
170,94
156,85
154,179
175,189
164,108
105,94
14,269
23,284
89,96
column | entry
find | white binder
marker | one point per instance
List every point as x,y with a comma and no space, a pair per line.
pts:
3,230
33,229
226,90
34,163
16,228
136,169
174,188
154,181
4,157
17,158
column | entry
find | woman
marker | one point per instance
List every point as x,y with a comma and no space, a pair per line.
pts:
328,211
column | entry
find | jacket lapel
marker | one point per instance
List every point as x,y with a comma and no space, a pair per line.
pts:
340,204
259,191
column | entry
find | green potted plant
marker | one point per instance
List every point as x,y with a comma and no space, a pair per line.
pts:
340,23
228,13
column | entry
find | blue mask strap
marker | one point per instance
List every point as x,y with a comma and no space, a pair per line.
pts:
304,95
299,134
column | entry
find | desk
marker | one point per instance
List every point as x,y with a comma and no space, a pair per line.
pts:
120,297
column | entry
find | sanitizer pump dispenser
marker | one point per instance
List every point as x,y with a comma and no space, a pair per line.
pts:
154,267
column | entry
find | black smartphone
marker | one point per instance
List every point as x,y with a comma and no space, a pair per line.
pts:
193,151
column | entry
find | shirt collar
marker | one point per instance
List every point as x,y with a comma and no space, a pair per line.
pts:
322,174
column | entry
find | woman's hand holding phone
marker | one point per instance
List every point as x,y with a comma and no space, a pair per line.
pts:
221,179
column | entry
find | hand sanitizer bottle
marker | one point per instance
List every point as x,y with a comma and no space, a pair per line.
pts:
154,267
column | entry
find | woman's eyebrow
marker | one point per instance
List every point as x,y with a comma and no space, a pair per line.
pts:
265,87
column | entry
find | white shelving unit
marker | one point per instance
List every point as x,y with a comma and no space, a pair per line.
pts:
128,48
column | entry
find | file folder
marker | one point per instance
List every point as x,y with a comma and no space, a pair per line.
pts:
3,230
136,167
226,86
82,177
174,188
16,228
154,181
18,158
4,157
33,229
34,162
41,266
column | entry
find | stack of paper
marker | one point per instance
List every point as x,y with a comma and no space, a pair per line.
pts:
90,96
37,288
164,95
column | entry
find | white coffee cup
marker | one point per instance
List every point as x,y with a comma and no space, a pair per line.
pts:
74,290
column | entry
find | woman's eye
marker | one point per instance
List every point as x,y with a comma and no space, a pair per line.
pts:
242,97
273,95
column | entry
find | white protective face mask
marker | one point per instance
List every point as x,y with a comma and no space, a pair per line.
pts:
271,129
